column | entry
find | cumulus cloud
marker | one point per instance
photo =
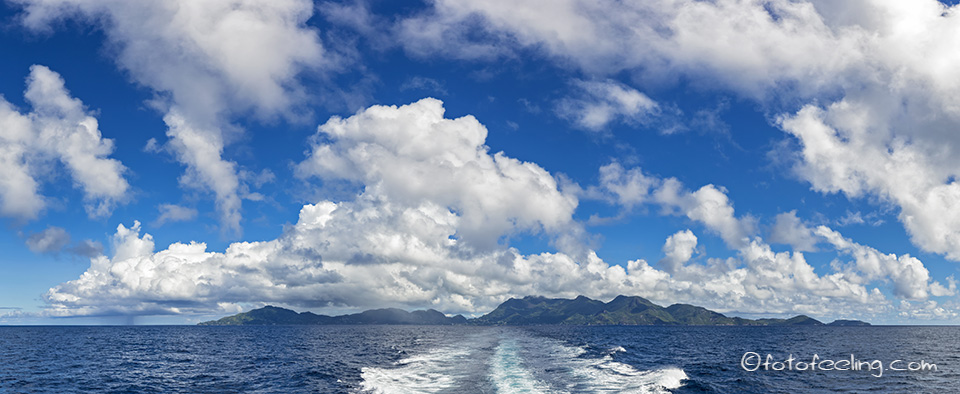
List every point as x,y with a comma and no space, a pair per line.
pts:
913,169
759,279
209,61
928,310
876,76
789,229
365,254
602,102
678,249
427,229
910,278
711,206
413,154
627,188
57,129
708,205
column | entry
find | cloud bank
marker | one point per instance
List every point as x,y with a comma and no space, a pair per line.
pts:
431,226
435,212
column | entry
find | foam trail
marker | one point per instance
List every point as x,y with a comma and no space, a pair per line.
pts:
445,369
508,374
568,368
434,372
514,362
605,375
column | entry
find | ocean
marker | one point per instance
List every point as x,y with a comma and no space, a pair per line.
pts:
467,359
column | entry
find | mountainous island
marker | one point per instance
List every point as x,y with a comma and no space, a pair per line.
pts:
530,310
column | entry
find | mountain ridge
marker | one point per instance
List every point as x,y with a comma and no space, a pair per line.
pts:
530,310
272,315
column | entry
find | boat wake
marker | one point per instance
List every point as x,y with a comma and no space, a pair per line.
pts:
507,363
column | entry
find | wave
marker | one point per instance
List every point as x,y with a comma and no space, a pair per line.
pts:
444,369
513,362
508,373
571,370
434,372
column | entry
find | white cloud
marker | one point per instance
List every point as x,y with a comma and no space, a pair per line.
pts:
170,213
751,46
915,172
57,129
851,218
209,60
788,229
19,191
152,146
425,35
759,279
257,180
435,203
759,272
910,278
365,253
627,188
424,232
202,152
414,155
878,77
209,55
678,249
708,205
602,102
928,310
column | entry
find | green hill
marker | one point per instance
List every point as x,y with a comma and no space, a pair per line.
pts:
623,310
271,315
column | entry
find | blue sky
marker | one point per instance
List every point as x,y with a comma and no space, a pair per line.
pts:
757,158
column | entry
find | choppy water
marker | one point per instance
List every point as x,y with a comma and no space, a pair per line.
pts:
464,360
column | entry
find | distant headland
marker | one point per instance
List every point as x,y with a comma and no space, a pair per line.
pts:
531,310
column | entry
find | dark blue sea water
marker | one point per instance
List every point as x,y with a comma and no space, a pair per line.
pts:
464,360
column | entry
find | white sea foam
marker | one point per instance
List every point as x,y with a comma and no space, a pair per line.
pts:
574,372
518,363
608,376
433,372
508,373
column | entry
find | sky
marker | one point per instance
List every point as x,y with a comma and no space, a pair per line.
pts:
169,162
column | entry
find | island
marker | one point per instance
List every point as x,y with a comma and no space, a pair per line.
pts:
531,310
272,315
849,323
